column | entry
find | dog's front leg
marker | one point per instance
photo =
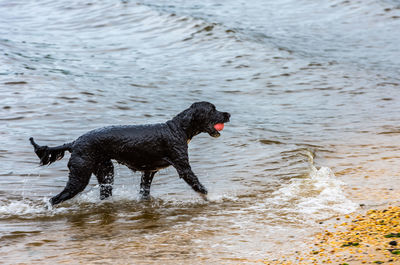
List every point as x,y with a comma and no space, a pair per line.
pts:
190,178
185,172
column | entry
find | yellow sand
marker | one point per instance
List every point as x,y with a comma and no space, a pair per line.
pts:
362,239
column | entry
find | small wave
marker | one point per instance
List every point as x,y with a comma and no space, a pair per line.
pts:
269,142
16,83
319,196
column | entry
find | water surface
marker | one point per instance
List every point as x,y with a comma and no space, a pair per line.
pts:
312,86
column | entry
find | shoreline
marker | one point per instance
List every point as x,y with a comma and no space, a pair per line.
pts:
368,236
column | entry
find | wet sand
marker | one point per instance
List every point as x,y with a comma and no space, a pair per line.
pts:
366,237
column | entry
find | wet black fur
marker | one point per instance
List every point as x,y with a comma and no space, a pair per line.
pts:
145,148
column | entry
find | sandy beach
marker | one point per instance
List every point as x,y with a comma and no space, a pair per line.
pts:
366,237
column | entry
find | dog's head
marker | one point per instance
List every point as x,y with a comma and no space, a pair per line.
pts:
201,117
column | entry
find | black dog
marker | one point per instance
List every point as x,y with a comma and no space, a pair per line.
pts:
145,148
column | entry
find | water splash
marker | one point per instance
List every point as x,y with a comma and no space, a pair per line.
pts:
317,196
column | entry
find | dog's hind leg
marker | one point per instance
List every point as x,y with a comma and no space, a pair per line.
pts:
105,177
145,183
80,171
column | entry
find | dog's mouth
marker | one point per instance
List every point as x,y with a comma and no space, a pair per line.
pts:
212,131
217,125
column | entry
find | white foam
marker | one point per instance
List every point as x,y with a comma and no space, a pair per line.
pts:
315,197
31,208
28,208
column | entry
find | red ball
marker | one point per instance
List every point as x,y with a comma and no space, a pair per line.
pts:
219,126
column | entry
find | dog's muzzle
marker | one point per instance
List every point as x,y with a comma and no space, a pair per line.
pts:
212,131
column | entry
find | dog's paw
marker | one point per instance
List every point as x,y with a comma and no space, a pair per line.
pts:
145,197
203,196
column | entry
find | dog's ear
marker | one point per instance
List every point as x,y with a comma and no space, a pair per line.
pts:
188,115
194,117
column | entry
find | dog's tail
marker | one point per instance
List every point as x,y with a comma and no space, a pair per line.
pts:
49,155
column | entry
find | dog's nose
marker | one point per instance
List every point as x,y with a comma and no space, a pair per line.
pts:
227,115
